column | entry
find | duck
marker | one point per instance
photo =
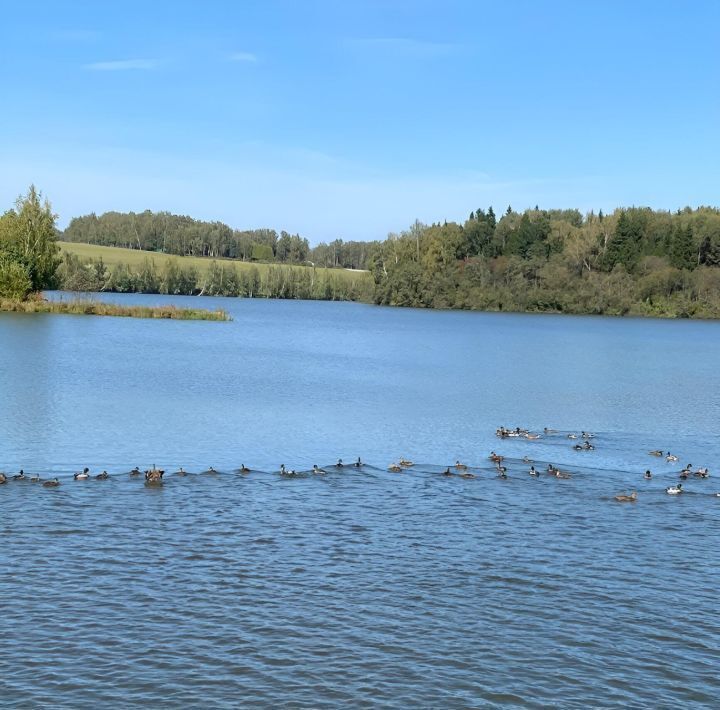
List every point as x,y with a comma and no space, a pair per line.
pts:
460,466
283,470
358,463
533,471
674,490
52,483
82,475
318,470
154,475
527,459
549,431
671,457
181,472
502,472
587,435
243,468
684,475
447,472
339,464
622,498
36,478
588,446
395,468
135,471
405,463
656,452
531,436
102,476
496,458
3,478
211,470
647,475
20,476
467,474
578,447
702,472
562,474
572,436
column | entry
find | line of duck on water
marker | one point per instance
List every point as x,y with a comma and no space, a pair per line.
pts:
154,476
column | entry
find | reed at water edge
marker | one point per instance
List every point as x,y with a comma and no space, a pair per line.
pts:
97,308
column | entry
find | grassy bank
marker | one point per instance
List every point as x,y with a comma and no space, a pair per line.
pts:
97,308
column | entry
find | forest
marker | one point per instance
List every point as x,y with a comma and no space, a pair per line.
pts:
184,236
632,261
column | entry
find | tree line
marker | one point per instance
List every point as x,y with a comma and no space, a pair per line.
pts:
221,278
168,233
633,261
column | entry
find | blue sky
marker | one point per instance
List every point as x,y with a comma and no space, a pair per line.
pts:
353,118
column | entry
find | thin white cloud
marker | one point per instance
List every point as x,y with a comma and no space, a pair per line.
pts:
122,65
242,57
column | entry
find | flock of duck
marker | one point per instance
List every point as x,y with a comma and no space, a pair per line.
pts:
154,476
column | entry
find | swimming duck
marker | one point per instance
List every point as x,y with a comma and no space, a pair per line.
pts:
405,463
467,474
3,478
572,436
587,435
647,475
562,474
533,472
82,475
702,472
211,470
154,475
52,483
36,478
527,459
181,472
244,469
496,458
549,431
102,476
20,476
531,436
318,470
502,473
671,457
621,498
674,490
395,468
578,447
448,472
657,452
460,466
283,470
588,446
358,463
135,471
339,464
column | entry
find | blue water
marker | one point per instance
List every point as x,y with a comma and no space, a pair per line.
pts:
361,586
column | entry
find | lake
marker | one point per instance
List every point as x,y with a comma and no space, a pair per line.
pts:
358,587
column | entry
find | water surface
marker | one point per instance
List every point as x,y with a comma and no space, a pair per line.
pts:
360,586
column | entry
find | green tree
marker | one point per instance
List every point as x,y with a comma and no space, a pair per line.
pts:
27,238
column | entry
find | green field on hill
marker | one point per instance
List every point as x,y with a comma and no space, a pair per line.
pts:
135,258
